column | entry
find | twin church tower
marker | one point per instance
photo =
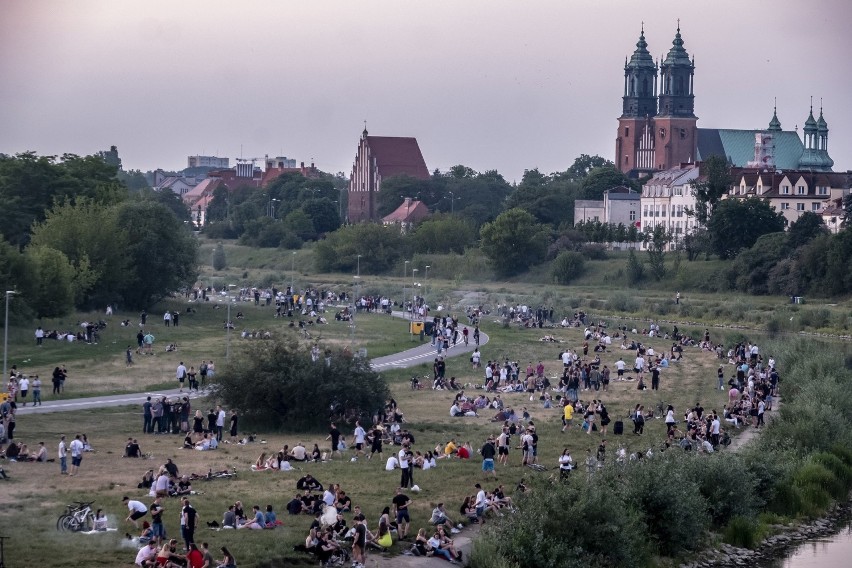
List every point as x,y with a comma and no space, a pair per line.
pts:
658,129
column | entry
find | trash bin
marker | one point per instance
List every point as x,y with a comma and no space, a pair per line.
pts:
416,328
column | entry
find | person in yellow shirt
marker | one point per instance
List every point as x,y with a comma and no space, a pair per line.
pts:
567,415
450,449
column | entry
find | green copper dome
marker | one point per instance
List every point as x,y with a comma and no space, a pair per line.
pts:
677,54
822,125
775,124
810,123
641,57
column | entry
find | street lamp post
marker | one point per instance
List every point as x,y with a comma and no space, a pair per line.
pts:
452,203
359,266
9,293
404,275
292,270
426,282
272,203
228,326
354,311
414,272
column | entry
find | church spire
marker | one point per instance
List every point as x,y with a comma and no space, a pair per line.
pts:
676,87
640,77
775,124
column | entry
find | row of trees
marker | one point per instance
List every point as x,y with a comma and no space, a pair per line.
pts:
77,237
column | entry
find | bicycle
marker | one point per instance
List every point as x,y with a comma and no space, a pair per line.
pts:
77,517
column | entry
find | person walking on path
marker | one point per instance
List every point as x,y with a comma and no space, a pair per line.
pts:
36,391
181,375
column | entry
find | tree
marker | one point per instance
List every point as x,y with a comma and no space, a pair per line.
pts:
568,266
584,164
289,391
549,199
847,210
695,243
737,224
220,262
49,288
323,213
806,228
715,184
300,224
443,233
379,246
750,270
89,235
396,188
635,269
171,200
162,253
601,179
657,241
514,241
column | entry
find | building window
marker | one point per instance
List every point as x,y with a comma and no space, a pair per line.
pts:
800,206
785,190
785,206
822,190
627,131
663,210
800,190
815,207
625,159
633,215
645,211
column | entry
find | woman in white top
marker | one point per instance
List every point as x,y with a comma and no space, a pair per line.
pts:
566,463
670,419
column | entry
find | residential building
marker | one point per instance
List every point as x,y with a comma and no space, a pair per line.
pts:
588,211
622,205
177,184
199,197
668,198
379,158
408,214
207,162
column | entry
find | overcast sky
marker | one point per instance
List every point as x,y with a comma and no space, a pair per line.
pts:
491,84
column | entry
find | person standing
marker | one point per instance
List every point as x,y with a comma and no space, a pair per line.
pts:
36,391
63,457
405,466
220,422
359,544
128,357
202,370
143,317
234,420
655,378
76,454
167,318
189,520
360,434
24,386
211,369
480,504
180,375
147,416
488,451
39,336
403,519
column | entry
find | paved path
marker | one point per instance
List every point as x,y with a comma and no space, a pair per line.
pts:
423,353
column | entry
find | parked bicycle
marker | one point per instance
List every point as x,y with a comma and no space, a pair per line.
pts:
77,517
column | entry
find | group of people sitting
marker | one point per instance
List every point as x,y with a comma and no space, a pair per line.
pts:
20,452
281,460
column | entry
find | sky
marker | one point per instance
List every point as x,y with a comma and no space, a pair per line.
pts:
491,84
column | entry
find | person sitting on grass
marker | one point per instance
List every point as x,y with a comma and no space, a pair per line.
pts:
439,518
229,519
435,547
308,483
132,449
147,555
257,521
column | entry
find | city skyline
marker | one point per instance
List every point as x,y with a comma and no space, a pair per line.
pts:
491,85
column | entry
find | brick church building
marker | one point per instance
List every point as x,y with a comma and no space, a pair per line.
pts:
658,129
378,158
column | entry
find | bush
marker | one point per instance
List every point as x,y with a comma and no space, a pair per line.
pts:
274,384
548,532
621,302
567,266
743,532
635,268
594,251
220,262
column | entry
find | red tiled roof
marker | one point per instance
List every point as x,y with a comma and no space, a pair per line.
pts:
396,155
409,212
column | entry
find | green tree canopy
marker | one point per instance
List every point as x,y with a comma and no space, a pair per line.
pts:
514,241
443,234
806,228
714,184
379,247
601,179
49,287
737,224
290,392
162,253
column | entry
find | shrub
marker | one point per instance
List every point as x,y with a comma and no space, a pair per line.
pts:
743,532
621,302
548,534
288,390
635,268
220,262
567,266
594,251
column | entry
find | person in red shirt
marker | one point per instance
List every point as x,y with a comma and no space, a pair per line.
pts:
464,451
194,558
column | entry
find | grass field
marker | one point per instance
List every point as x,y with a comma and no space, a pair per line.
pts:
36,495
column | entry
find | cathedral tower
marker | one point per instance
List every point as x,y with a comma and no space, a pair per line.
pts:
676,124
634,149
